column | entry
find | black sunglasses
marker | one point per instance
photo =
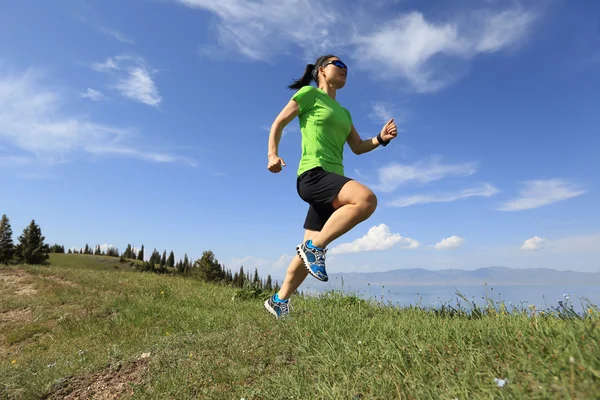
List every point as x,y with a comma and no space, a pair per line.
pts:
337,63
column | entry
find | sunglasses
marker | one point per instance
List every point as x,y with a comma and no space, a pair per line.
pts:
337,63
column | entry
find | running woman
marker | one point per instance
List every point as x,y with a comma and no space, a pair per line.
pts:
336,203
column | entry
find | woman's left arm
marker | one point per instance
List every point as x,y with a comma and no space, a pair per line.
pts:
359,146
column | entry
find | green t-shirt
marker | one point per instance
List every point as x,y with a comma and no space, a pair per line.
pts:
325,126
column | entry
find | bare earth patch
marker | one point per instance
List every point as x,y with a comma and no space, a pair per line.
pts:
15,316
108,384
16,281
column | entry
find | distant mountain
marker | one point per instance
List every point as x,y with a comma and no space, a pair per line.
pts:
489,275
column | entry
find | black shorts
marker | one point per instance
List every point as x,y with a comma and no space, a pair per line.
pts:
318,188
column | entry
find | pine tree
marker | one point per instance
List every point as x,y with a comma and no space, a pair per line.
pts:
141,254
163,262
7,247
241,277
269,284
69,252
31,248
128,252
97,250
171,260
208,267
186,265
256,280
276,290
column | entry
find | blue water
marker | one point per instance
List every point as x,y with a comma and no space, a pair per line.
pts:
520,296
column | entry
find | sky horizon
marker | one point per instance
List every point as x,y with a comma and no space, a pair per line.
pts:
147,122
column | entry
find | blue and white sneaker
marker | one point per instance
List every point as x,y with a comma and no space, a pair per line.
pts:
279,309
314,259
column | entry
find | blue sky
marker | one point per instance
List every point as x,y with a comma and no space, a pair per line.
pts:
146,122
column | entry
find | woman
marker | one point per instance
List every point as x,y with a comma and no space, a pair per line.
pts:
336,203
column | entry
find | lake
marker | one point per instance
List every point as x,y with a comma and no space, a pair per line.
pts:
436,295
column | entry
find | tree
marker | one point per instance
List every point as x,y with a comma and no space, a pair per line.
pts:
209,268
171,260
55,248
256,280
87,249
163,262
241,277
141,254
269,284
128,252
97,250
186,265
7,247
31,248
276,290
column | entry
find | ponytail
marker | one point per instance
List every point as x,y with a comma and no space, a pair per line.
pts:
307,78
311,73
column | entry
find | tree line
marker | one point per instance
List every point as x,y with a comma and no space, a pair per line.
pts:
32,249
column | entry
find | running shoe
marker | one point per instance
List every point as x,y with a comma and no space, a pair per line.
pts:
314,259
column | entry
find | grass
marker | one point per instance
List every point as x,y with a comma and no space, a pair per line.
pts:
88,326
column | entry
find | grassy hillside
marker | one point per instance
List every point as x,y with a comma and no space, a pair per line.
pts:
89,327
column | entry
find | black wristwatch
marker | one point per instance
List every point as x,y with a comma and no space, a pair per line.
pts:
381,141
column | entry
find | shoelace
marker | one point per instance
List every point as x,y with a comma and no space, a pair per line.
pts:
320,256
285,307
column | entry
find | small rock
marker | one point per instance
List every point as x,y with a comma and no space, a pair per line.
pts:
145,355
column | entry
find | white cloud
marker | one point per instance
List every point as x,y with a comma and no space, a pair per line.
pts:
34,118
542,192
260,29
535,243
406,45
452,242
117,35
486,190
378,238
92,95
134,78
381,112
432,169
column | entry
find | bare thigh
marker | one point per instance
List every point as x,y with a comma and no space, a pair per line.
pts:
354,193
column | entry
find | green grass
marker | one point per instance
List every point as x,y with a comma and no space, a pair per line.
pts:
81,322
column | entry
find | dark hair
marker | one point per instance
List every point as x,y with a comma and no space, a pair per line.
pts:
311,73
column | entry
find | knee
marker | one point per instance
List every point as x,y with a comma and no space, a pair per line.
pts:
368,203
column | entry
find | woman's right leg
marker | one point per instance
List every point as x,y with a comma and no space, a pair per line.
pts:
296,272
353,204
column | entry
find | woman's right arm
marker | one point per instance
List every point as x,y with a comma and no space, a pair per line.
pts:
289,112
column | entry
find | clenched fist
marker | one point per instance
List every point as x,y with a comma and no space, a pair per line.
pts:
389,131
276,164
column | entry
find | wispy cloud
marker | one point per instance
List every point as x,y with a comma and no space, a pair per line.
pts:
382,112
260,29
407,45
93,95
535,243
34,118
452,242
539,193
429,170
378,238
134,78
14,161
117,35
486,190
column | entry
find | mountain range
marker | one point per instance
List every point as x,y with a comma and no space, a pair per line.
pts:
489,275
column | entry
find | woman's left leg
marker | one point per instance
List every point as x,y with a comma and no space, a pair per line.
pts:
296,272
